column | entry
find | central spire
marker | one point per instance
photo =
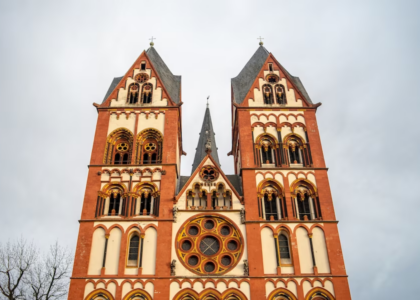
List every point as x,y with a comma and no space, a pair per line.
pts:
206,142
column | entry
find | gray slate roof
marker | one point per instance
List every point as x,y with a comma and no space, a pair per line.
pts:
200,152
242,83
171,82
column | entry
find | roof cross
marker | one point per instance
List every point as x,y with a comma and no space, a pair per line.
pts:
208,101
260,38
151,43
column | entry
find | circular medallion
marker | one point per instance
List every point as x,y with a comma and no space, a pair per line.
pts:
150,147
209,244
209,173
141,77
272,78
122,147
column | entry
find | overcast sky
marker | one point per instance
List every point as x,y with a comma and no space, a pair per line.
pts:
359,58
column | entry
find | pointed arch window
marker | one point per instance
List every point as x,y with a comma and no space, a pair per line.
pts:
272,206
149,147
297,151
133,93
146,93
268,94
280,94
266,150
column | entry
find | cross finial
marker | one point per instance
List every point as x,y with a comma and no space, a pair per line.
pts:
208,101
260,38
151,43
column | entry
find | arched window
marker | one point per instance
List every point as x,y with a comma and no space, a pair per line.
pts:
295,153
297,150
280,94
284,249
267,94
146,93
149,147
118,148
222,198
267,146
133,251
197,198
307,204
272,205
133,93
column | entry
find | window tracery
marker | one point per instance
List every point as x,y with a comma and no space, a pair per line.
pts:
280,94
133,93
146,94
266,150
306,201
196,198
271,201
149,147
297,150
267,94
221,198
118,148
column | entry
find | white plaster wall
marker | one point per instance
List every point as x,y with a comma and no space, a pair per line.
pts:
328,285
149,251
269,251
113,252
269,287
112,288
151,121
291,286
121,122
100,285
173,289
317,283
88,288
126,289
97,252
150,289
304,249
306,287
320,251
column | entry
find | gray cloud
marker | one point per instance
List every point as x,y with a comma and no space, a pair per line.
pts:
359,58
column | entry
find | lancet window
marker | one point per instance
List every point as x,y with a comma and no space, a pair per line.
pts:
268,94
196,198
272,205
118,148
280,94
133,93
146,93
149,147
133,250
221,198
306,203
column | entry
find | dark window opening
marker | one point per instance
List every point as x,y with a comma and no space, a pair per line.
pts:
145,204
114,204
270,67
117,159
304,207
270,208
280,94
267,94
284,246
133,252
125,159
143,66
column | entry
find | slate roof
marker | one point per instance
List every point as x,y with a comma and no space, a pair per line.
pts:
242,83
200,152
171,82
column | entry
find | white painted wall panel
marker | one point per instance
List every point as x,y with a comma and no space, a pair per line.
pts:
113,252
320,251
304,249
97,252
149,251
269,251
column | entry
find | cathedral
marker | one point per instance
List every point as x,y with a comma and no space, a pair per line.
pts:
268,231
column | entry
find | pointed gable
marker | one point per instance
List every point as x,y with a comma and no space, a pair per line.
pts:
170,84
186,181
206,132
243,84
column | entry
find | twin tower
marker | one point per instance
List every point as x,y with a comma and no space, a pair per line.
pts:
267,232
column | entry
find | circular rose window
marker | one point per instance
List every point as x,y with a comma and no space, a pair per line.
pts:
209,173
209,245
141,77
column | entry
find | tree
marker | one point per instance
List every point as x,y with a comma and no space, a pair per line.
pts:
24,274
49,277
16,260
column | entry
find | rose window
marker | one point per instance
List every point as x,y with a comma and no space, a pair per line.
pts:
209,173
209,245
122,147
142,77
150,147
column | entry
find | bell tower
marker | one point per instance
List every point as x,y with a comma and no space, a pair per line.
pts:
133,173
278,154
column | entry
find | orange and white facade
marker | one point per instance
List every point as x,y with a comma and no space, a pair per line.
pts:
267,232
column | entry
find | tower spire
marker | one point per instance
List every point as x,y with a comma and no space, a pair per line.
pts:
206,142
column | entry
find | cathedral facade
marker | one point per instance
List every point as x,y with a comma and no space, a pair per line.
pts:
266,232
